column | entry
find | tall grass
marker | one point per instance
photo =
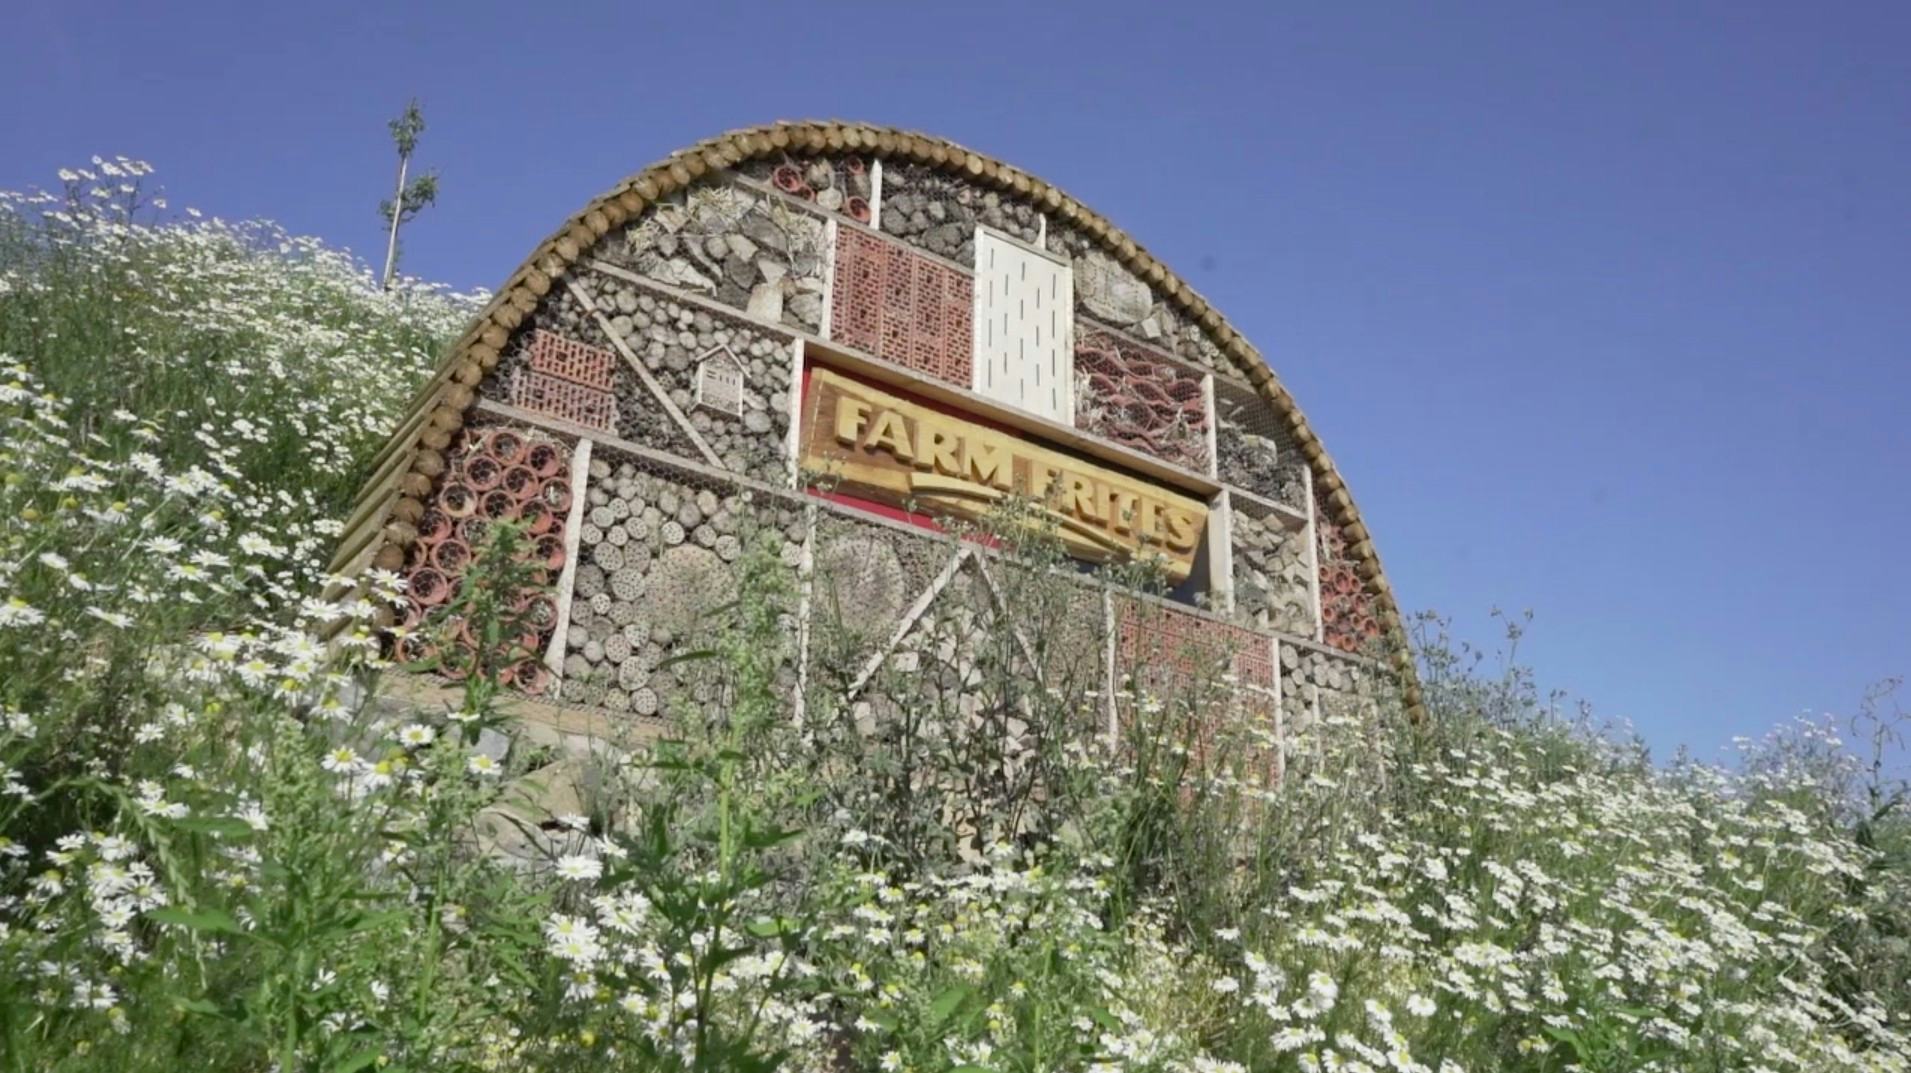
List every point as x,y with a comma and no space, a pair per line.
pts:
219,849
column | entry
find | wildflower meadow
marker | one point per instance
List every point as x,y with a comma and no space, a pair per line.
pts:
225,846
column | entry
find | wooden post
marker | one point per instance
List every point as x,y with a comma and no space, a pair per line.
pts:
567,579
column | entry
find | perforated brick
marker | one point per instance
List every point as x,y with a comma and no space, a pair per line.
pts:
547,394
569,359
902,306
1177,647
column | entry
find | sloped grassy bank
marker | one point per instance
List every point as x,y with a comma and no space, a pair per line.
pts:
215,853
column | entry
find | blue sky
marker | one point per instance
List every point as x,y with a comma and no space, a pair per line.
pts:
1603,313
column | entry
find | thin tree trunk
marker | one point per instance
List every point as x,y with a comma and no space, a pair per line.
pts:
397,210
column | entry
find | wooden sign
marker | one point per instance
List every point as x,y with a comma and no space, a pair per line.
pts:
873,443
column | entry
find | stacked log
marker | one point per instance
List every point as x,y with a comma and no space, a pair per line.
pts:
657,557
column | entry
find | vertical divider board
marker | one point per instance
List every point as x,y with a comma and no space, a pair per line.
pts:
1313,554
829,277
567,578
875,195
1109,680
1280,723
1214,422
1221,551
793,448
805,591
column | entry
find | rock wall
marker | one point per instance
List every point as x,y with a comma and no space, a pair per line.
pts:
744,248
1271,584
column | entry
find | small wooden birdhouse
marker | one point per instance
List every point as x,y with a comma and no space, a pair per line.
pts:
720,382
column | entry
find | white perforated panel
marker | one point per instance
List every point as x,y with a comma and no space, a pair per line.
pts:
1024,327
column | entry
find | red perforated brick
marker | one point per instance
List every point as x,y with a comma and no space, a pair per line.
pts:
568,359
902,306
1173,646
547,394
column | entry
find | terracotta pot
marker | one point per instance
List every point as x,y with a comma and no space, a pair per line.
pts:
506,446
550,551
532,677
521,483
429,586
536,517
434,526
452,556
544,459
498,505
458,500
483,472
557,496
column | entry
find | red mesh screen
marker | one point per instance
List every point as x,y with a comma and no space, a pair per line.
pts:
1136,397
902,306
568,359
547,394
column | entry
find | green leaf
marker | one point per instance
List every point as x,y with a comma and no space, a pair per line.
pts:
213,920
883,1019
754,839
358,1061
224,826
197,1005
770,929
946,1004
685,657
971,1069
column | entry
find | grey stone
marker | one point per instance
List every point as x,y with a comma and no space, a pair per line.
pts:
492,744
766,301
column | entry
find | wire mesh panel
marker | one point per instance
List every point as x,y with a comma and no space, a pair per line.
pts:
1135,396
1254,447
902,307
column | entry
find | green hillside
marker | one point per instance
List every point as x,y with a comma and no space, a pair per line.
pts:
227,846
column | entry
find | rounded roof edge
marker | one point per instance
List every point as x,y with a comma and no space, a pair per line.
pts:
442,403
